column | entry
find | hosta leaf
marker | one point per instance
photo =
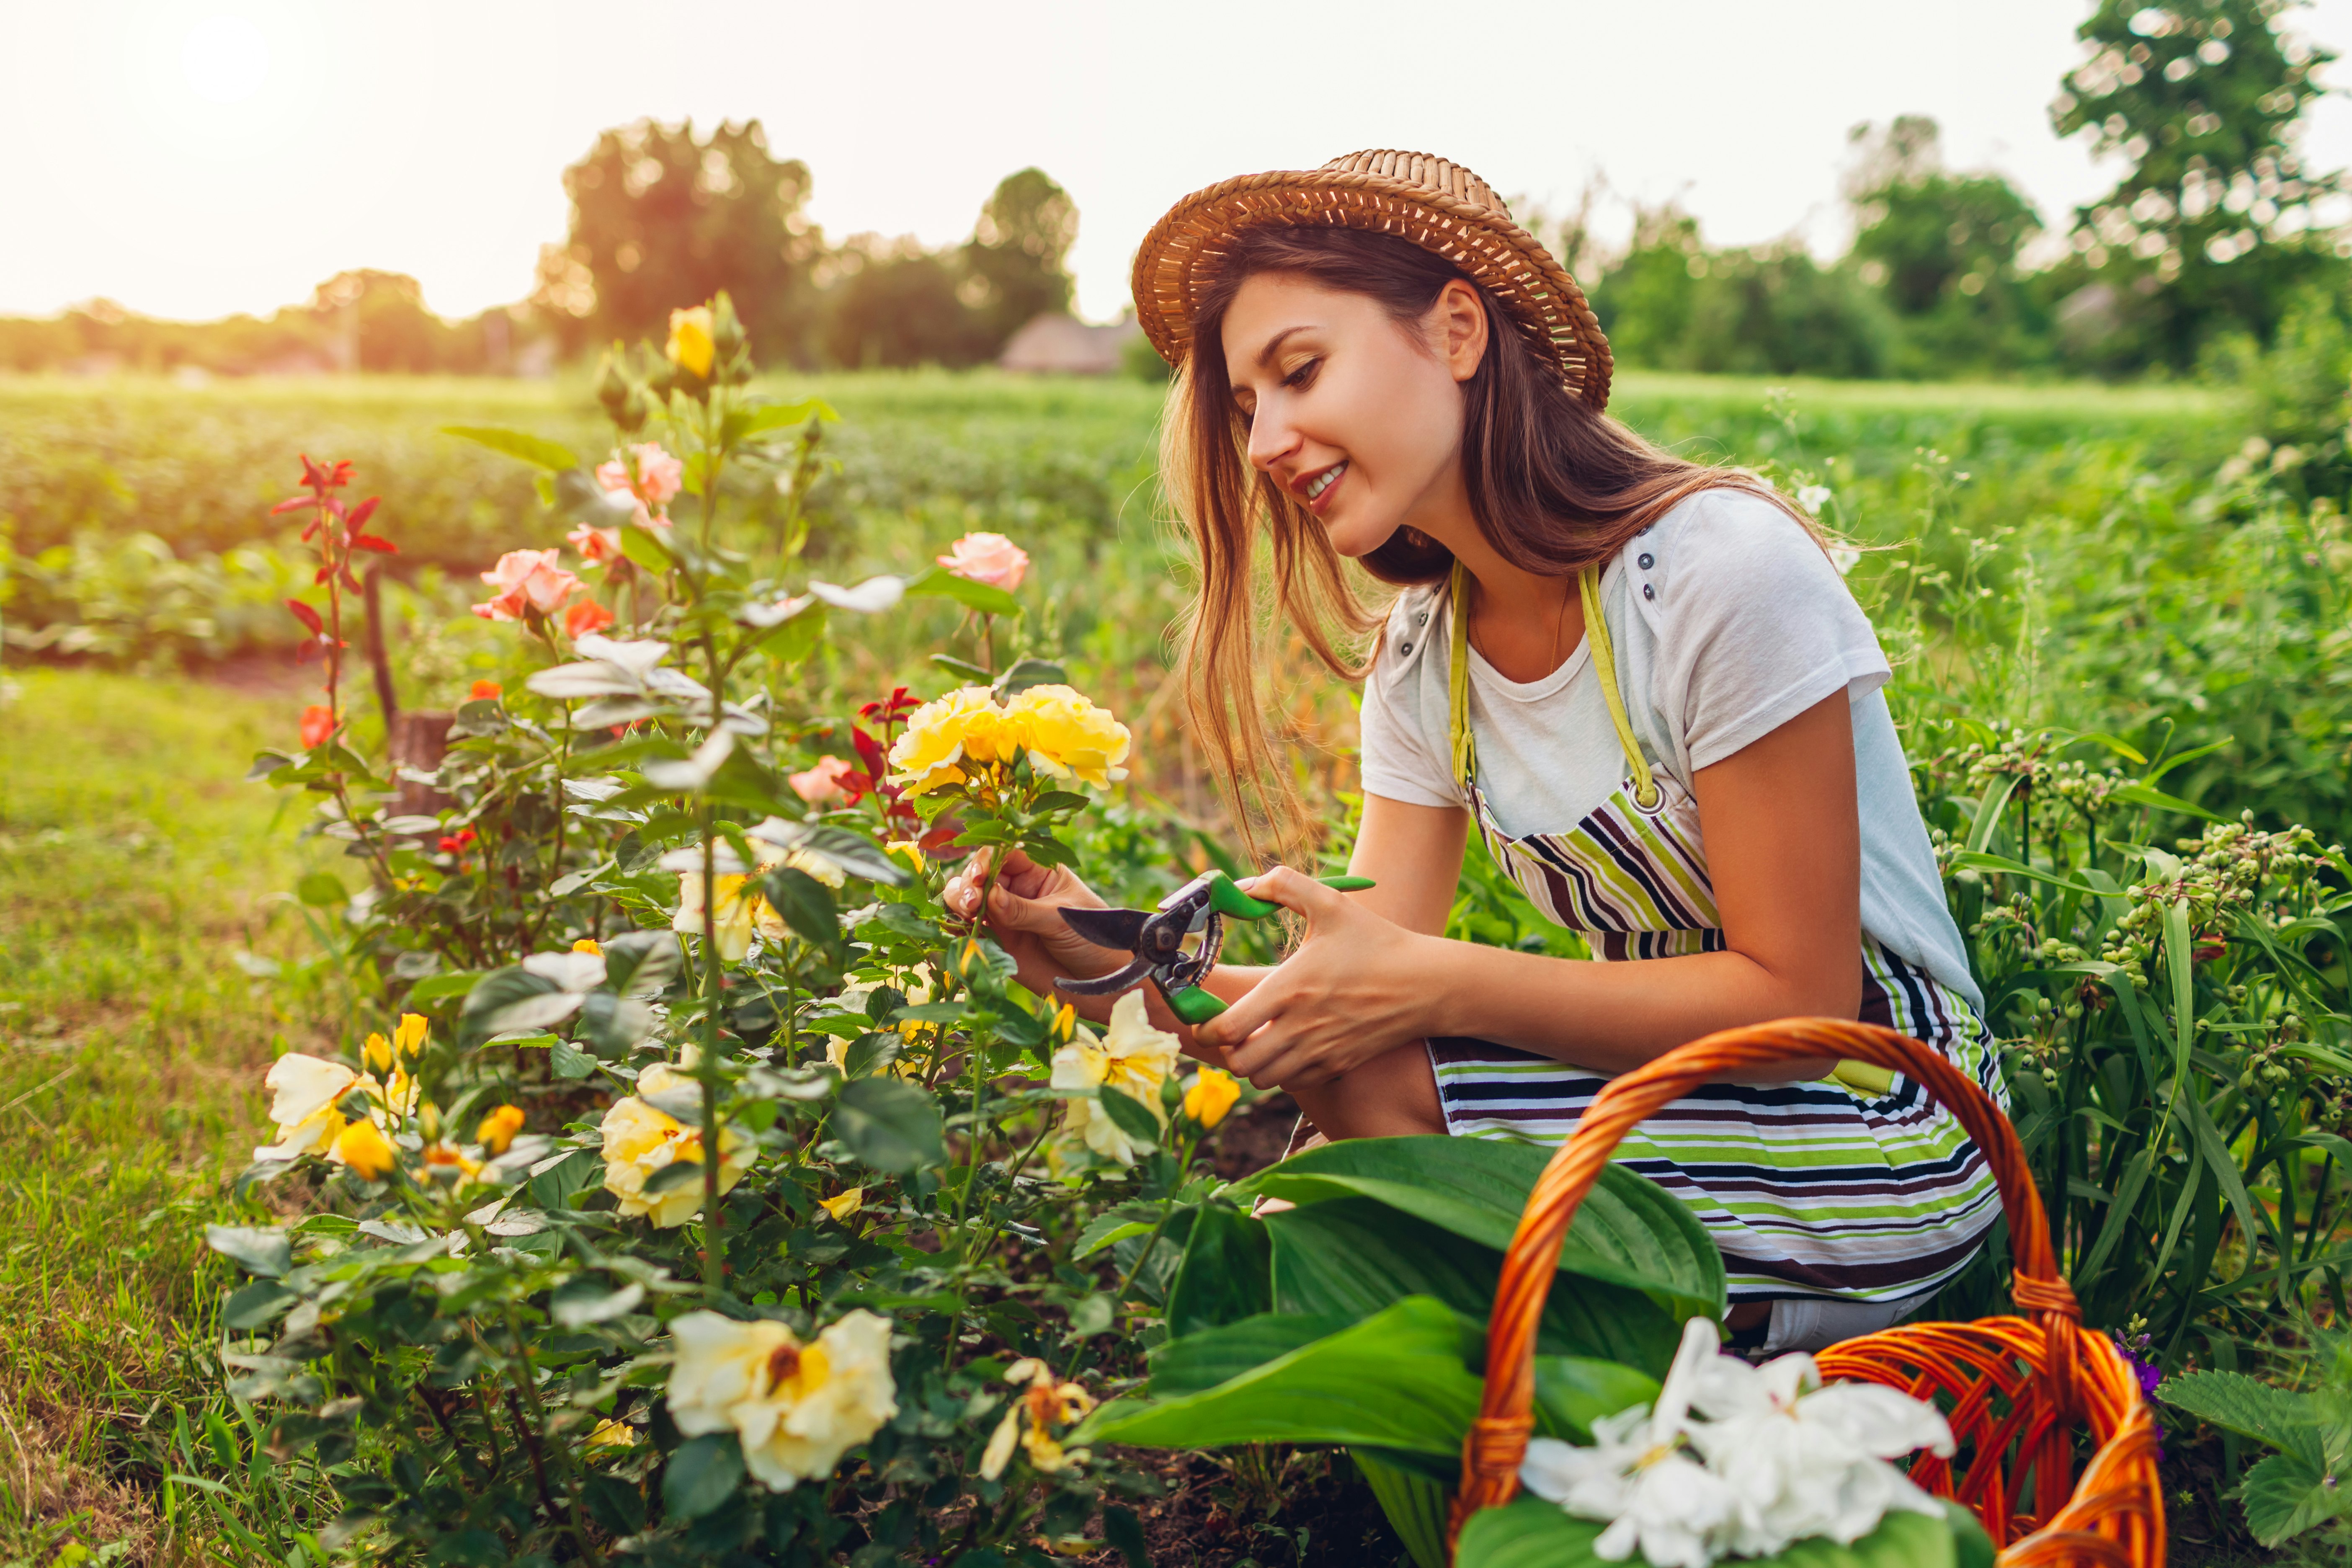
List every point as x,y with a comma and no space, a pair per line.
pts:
1532,1533
1573,1392
1224,1276
1212,1356
1415,1505
1399,1380
1628,1231
1353,1256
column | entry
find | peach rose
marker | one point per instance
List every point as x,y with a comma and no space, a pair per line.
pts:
585,616
821,782
989,558
597,546
527,580
659,479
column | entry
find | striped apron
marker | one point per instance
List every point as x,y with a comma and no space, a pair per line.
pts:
1855,1186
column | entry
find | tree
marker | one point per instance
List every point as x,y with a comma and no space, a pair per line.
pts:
380,323
662,218
2212,225
1014,263
896,304
1943,247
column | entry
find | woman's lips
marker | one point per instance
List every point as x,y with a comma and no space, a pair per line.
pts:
1316,491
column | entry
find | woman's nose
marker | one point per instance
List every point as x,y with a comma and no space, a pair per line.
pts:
1271,438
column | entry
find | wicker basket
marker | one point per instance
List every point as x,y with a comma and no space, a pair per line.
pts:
2016,1389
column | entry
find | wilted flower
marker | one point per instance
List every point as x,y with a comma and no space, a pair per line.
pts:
1133,1057
306,1089
584,617
1210,1093
527,580
640,1140
822,783
842,1204
444,1161
989,558
610,1437
948,739
796,1407
1066,735
364,1147
690,346
496,1132
1031,1419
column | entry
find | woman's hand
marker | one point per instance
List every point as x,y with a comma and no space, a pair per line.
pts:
1357,988
1024,917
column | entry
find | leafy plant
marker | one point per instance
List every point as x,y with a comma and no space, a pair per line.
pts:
2299,1488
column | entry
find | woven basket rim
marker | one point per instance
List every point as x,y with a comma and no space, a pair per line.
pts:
1178,257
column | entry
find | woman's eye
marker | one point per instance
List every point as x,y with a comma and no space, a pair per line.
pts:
1303,374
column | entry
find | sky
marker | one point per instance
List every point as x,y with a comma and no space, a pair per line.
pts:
196,158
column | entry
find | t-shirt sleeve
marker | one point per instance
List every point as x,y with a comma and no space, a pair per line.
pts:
1401,761
1754,625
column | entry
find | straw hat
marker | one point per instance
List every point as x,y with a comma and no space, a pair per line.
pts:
1440,206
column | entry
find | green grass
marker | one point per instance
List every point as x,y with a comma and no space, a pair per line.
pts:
133,865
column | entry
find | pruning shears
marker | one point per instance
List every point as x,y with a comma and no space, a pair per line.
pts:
1157,938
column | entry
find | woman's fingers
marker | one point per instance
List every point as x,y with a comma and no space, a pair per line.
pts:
1294,890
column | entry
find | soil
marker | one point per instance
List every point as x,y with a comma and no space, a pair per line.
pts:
1215,1512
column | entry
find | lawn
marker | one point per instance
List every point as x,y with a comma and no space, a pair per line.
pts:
135,866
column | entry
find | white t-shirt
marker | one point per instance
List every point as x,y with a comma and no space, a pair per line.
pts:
1727,621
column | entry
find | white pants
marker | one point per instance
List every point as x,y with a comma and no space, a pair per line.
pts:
1813,1323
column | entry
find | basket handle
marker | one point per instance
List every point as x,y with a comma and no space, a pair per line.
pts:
1498,1437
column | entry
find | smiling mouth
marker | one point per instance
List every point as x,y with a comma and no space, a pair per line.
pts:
1324,481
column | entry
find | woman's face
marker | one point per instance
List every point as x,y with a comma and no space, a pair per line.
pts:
1356,416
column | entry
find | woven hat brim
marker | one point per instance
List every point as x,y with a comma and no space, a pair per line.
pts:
1181,256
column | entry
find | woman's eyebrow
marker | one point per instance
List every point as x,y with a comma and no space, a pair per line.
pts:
1265,354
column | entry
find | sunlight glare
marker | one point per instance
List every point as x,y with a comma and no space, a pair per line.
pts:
226,59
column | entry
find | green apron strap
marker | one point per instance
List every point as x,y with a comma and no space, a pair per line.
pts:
1604,664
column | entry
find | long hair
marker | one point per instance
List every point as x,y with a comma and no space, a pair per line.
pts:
1554,486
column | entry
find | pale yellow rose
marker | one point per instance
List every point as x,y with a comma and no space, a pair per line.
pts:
1133,1057
1068,736
305,1090
640,1139
768,856
1032,1418
949,739
739,909
796,1407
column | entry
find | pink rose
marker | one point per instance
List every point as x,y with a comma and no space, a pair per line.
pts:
659,479
821,782
597,546
987,558
527,580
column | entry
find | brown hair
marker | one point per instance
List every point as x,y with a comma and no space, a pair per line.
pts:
1554,484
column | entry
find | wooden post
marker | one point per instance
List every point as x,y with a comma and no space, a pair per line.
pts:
419,741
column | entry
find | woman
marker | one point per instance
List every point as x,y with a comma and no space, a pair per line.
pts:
1641,680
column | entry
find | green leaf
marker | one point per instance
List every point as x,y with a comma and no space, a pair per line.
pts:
1628,1231
255,1304
806,905
1106,1228
322,890
2141,794
516,444
1352,1258
889,1124
646,553
1130,1116
450,983
1212,1356
855,854
1225,1273
1532,1533
1573,1392
1415,1504
263,1249
1399,1380
2242,1405
641,963
568,1060
946,661
2285,1496
780,415
987,598
512,999
1988,816
702,1474
1123,1532
1028,672
589,1300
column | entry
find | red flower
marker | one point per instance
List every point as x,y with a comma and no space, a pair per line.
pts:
585,616
450,846
318,725
485,691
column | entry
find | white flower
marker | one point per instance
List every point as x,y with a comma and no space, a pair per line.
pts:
1844,557
1812,498
1133,1057
305,1089
1636,1476
1807,1460
797,1407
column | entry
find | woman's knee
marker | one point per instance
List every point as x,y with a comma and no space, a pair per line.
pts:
1391,1096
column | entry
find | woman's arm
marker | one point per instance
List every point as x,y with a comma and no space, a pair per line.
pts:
1784,853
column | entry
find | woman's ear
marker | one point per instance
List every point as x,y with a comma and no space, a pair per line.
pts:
1460,327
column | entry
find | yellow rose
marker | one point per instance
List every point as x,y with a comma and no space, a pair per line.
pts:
377,1053
496,1132
1068,736
796,1407
409,1038
690,345
365,1150
965,727
1209,1095
1133,1057
640,1140
594,949
740,911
